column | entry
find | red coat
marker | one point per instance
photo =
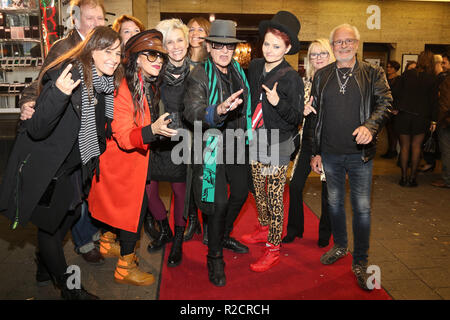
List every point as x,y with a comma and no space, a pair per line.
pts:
116,197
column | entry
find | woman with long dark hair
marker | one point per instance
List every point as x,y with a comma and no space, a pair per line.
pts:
416,99
57,151
118,196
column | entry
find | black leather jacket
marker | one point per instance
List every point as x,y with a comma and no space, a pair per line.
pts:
375,107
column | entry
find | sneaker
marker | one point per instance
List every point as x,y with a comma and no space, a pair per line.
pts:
258,236
333,255
269,259
360,271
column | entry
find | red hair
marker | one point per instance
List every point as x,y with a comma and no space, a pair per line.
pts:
280,34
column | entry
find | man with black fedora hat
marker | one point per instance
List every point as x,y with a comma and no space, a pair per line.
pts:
217,96
277,111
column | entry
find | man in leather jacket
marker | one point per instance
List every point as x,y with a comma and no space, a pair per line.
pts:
216,98
353,102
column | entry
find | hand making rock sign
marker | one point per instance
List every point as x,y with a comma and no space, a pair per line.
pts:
65,82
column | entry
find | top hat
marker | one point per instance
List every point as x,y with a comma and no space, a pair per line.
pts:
148,40
223,31
287,23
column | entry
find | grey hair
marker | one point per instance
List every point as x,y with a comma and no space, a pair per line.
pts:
347,26
166,26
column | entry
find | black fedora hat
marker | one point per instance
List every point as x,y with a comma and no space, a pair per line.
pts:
287,23
223,31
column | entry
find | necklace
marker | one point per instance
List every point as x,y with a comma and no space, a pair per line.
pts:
343,86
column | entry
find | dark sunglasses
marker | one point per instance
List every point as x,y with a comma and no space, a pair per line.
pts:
153,55
218,46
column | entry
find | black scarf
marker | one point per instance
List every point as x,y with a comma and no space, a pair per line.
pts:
171,70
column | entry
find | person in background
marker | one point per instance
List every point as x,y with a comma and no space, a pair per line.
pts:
176,71
118,196
353,101
217,96
445,62
127,26
392,68
416,99
57,150
319,55
198,30
91,15
277,106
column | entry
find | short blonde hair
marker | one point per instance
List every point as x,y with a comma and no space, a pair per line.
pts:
166,26
324,44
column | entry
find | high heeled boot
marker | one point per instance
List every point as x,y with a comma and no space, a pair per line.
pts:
165,236
151,227
193,226
176,252
109,246
216,269
127,272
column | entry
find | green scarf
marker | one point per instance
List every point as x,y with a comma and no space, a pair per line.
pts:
209,161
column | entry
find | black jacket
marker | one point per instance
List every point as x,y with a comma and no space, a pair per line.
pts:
375,106
287,115
43,147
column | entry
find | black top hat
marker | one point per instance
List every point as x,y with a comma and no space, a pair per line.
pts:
287,23
223,31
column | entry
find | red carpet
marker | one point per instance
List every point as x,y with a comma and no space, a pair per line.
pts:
299,275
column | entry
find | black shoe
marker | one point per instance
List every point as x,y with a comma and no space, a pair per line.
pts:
151,227
216,270
289,238
73,294
93,257
412,183
322,243
176,251
43,277
193,226
165,236
403,182
234,245
390,154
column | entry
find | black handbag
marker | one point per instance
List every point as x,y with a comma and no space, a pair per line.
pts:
430,144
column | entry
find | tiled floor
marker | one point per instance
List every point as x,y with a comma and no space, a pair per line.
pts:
410,241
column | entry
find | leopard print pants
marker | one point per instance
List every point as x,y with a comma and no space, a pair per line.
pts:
269,182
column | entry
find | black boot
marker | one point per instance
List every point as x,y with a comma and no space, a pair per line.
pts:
177,246
72,294
165,236
151,227
43,277
216,270
193,226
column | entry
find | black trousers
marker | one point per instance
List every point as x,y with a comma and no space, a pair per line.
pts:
296,220
51,245
128,239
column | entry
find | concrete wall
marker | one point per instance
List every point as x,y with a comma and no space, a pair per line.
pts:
408,25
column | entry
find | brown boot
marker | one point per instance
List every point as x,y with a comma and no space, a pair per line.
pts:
127,272
109,246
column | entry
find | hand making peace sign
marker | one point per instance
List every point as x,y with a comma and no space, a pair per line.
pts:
272,95
65,82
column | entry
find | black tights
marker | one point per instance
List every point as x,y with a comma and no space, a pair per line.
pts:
413,142
128,239
51,245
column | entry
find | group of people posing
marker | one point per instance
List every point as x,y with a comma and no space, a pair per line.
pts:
106,112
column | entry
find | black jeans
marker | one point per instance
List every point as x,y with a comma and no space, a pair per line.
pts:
128,239
296,220
51,245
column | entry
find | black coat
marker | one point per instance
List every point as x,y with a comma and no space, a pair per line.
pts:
41,150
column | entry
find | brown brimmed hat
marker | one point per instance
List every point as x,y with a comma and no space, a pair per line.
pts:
148,40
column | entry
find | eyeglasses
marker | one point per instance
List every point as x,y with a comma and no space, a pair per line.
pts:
152,56
218,46
348,42
314,55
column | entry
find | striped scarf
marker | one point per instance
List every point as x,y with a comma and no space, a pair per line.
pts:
209,161
87,136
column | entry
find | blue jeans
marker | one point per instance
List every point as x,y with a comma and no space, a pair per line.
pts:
83,230
336,166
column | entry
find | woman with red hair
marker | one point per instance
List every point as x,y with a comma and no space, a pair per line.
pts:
277,110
